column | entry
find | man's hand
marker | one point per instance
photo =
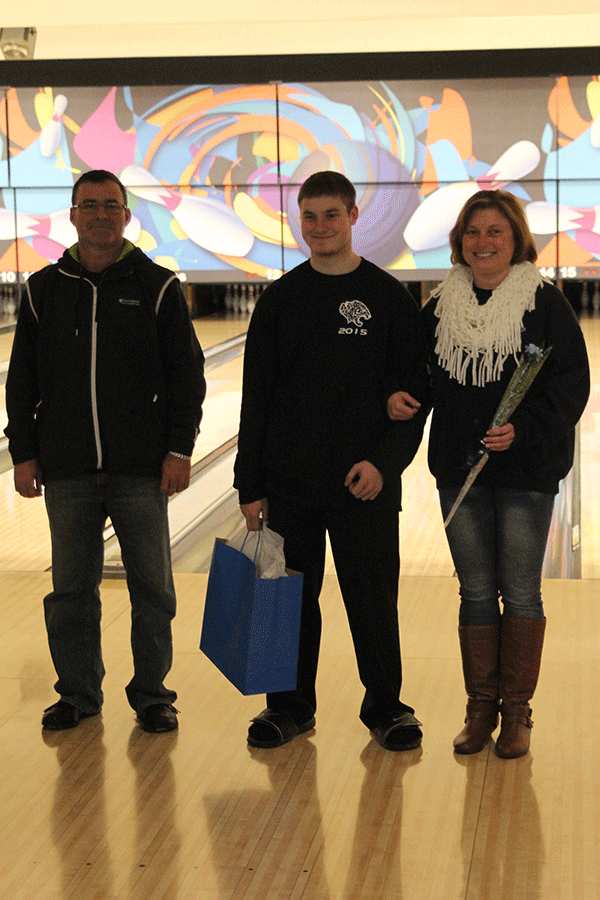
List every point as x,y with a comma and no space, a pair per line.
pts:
28,478
364,481
499,438
255,514
401,406
175,475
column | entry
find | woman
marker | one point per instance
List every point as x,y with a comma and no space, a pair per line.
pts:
493,304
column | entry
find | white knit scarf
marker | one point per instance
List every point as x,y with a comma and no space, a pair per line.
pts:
482,336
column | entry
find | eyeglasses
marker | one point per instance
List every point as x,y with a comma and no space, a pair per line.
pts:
112,207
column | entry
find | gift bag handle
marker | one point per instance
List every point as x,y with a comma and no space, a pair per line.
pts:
257,543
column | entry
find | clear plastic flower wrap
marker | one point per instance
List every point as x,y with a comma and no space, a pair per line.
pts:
532,360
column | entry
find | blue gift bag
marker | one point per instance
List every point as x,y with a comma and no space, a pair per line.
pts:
251,625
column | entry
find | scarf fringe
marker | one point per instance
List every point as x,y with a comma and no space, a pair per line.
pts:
482,337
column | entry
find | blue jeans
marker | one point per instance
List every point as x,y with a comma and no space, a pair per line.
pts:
497,539
77,511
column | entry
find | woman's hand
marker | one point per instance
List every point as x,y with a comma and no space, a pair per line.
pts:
499,438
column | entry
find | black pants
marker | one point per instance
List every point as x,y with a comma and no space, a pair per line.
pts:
364,541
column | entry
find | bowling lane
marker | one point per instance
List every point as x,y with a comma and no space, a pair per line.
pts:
221,408
215,330
24,536
224,386
6,339
24,544
211,332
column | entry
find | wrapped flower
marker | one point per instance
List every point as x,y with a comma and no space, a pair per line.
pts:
530,364
532,360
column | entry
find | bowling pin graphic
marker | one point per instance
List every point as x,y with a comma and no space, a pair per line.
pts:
434,218
14,225
52,131
207,222
55,226
547,218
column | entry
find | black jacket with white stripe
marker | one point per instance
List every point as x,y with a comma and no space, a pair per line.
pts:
106,372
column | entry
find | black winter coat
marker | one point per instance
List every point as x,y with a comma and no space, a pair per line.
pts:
544,422
106,372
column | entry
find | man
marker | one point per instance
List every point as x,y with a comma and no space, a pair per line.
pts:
104,399
327,344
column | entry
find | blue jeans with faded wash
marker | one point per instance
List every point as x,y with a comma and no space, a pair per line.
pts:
77,510
497,539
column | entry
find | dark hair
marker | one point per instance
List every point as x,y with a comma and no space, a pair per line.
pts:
97,176
507,205
329,184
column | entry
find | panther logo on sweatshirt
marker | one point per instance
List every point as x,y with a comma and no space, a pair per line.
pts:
355,312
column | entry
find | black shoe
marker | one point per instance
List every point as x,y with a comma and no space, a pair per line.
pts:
274,727
63,715
158,717
398,731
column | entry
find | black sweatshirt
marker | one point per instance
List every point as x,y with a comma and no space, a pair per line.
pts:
323,353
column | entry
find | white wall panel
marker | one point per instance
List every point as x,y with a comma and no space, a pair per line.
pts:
238,27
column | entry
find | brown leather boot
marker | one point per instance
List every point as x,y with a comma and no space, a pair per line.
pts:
521,642
479,647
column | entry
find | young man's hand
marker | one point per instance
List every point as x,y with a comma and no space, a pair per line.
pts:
401,406
364,481
255,513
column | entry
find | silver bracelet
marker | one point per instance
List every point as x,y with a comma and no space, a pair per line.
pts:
178,455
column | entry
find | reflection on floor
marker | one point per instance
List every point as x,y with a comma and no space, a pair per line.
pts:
106,811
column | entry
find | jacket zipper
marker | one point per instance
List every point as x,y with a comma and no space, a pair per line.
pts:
93,359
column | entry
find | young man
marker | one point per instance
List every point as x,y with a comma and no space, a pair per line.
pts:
327,344
104,399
